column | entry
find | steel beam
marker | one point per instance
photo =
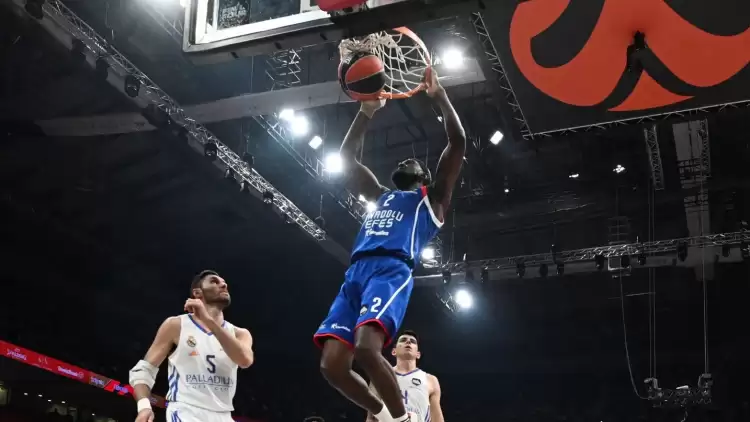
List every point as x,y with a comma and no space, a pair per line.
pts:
654,156
283,71
66,26
651,118
653,250
241,106
494,67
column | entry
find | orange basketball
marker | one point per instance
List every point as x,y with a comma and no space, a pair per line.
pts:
362,76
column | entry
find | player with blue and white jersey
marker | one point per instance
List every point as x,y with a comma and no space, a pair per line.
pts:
372,301
205,350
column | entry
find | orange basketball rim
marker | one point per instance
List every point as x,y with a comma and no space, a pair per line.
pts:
405,57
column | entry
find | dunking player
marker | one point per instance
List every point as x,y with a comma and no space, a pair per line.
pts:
203,366
373,298
420,390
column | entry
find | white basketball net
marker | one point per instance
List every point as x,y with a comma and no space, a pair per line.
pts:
404,60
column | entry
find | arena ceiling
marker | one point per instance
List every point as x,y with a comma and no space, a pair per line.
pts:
108,229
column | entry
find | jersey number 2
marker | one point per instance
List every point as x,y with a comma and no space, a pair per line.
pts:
388,200
211,365
376,302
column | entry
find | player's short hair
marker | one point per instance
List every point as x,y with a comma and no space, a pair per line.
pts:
198,279
410,333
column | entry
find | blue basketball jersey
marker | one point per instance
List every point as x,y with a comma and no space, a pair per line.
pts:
401,225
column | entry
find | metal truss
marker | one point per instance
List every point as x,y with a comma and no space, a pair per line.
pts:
654,156
174,26
437,261
492,56
283,70
314,167
58,12
682,397
588,254
652,118
702,133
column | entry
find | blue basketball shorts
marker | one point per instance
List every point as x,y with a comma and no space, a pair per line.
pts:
376,290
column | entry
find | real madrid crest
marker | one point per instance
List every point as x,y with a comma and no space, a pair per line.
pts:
363,311
191,341
416,381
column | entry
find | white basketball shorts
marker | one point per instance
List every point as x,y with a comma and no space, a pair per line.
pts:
181,412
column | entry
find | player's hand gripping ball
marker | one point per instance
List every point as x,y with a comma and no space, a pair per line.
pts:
362,76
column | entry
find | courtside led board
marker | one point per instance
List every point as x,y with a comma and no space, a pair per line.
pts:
217,30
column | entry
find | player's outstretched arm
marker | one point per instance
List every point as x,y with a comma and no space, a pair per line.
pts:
451,160
436,412
360,177
143,374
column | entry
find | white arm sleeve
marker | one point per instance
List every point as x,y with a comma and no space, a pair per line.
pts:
143,373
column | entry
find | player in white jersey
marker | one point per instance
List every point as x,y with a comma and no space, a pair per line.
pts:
420,390
206,352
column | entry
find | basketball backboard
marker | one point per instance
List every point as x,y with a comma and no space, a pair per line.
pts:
218,30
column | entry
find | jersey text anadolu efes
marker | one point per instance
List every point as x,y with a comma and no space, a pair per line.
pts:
401,225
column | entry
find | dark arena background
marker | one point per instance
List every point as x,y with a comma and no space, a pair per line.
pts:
594,265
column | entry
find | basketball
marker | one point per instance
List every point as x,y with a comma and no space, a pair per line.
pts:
362,76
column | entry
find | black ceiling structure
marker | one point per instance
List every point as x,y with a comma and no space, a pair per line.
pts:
103,232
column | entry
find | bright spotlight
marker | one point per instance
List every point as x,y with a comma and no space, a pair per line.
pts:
453,58
315,142
300,125
574,176
507,190
333,163
370,206
463,299
619,169
362,198
428,253
496,137
287,114
184,3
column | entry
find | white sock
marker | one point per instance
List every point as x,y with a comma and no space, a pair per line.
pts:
384,415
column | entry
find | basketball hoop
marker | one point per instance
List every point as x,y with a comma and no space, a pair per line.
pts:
404,55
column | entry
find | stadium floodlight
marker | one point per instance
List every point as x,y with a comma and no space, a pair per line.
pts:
333,163
362,198
286,114
496,137
371,206
453,58
619,169
463,299
428,253
300,125
315,142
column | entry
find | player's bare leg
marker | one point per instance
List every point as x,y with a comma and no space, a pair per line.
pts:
336,366
369,340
